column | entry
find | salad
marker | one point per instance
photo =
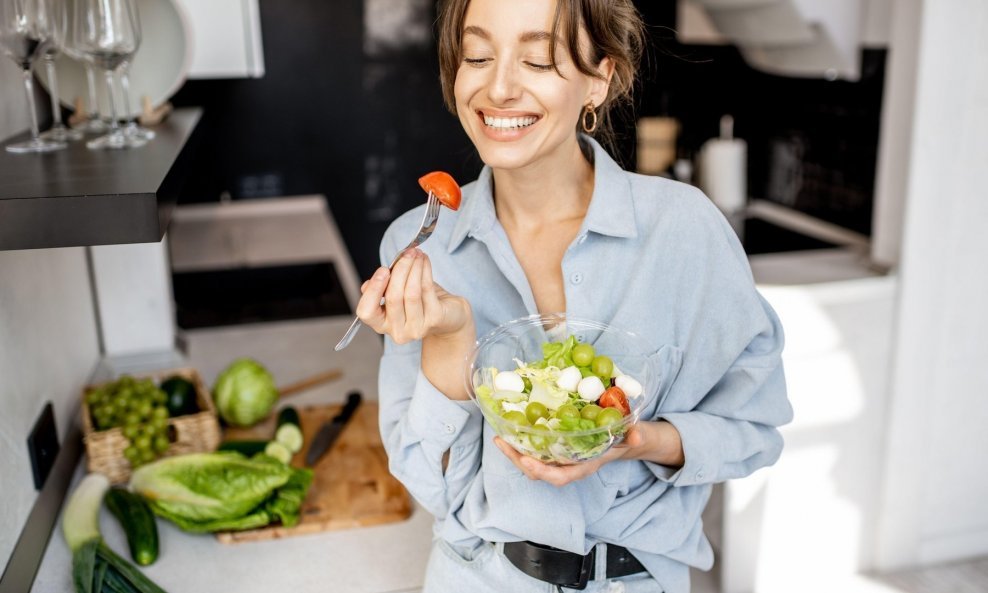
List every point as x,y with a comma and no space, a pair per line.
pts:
571,405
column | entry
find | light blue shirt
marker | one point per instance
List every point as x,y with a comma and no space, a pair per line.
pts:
652,256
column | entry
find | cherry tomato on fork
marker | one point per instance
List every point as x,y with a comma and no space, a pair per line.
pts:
444,186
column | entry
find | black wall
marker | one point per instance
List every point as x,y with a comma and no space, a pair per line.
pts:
360,124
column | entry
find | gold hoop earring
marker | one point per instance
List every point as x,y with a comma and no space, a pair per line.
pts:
589,113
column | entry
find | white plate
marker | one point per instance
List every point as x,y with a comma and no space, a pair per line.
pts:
158,71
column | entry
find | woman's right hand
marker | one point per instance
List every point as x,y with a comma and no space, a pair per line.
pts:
416,308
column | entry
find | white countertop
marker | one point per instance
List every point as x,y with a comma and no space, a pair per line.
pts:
381,559
388,558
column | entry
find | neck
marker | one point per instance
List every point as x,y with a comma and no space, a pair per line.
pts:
555,189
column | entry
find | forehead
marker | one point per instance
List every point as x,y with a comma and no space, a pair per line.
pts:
509,19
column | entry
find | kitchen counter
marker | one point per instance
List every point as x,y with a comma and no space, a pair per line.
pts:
348,561
381,559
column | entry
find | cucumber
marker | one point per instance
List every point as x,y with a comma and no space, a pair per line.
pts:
245,448
135,516
180,396
278,451
290,436
289,431
288,414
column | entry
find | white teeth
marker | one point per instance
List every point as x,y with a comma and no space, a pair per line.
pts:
509,122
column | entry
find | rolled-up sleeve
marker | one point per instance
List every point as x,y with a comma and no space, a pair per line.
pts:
419,424
733,430
729,398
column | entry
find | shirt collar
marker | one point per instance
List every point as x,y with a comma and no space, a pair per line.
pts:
611,210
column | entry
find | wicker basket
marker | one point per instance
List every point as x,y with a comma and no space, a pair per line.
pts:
192,433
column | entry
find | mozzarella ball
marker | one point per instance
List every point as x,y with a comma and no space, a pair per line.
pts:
569,378
509,381
629,385
590,388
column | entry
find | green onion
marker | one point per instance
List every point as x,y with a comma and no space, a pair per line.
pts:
95,567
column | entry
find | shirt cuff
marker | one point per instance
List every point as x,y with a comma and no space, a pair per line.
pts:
440,420
698,464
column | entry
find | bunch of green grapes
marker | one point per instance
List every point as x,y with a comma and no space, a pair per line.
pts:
137,406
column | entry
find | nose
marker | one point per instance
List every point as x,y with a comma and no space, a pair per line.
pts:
505,86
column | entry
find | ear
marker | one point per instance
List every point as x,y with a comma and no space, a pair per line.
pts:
599,86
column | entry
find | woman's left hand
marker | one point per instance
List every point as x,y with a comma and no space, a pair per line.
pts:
560,475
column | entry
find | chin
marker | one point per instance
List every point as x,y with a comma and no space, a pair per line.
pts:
502,157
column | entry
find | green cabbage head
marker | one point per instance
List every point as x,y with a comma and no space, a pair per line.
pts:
244,393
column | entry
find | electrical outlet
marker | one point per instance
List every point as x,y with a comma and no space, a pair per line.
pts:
42,446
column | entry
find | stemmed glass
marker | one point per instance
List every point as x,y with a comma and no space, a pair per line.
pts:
93,123
105,33
57,23
132,130
23,32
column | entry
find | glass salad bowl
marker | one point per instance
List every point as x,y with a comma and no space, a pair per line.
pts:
560,389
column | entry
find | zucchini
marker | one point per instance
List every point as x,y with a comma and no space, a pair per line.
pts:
289,431
135,516
245,448
278,451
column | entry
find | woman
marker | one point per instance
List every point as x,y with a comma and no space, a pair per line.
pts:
553,224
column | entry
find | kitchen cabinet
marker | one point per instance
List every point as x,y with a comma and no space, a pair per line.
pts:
226,38
79,197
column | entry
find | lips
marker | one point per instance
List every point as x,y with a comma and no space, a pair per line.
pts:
506,126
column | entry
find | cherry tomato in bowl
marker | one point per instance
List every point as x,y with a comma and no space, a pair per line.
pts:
614,397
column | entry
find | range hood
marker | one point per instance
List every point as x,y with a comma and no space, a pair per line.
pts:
802,38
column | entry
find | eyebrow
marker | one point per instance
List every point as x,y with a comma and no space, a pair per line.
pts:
526,37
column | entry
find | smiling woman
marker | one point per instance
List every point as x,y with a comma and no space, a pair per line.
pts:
597,39
553,225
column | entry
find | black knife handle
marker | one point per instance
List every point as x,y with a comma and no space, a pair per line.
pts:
352,401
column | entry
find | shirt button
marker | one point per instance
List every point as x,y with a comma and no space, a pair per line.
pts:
449,428
699,475
576,278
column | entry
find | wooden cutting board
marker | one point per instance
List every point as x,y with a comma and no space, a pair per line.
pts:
351,486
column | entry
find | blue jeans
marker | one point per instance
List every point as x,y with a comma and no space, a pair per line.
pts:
484,569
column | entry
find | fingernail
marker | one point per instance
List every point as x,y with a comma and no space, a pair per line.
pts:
381,274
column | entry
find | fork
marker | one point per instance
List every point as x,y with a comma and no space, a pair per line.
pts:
425,231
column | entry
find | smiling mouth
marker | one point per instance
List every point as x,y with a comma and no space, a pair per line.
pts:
508,123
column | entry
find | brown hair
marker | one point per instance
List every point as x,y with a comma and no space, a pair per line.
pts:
615,30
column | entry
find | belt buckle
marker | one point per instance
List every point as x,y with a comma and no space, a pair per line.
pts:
586,569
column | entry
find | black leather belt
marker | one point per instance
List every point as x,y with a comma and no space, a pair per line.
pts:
567,569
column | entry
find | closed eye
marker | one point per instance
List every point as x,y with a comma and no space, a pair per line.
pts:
476,61
539,67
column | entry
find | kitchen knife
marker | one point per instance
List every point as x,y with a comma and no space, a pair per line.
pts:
330,430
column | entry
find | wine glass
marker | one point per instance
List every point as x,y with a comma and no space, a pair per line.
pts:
23,32
58,20
93,123
105,33
132,130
